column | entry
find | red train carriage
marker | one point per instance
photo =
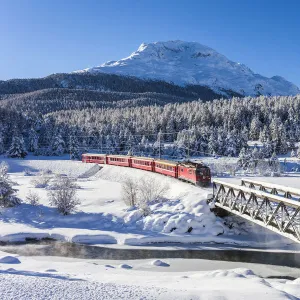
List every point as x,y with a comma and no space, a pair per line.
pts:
94,158
195,173
143,163
119,160
166,167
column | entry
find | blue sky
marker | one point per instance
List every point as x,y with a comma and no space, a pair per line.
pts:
38,38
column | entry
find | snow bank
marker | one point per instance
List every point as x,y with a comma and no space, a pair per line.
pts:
159,263
9,260
125,266
191,215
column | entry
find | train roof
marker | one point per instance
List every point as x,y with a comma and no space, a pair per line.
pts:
166,162
142,158
119,155
94,154
190,164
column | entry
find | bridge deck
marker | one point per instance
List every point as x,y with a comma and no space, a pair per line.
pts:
272,186
261,194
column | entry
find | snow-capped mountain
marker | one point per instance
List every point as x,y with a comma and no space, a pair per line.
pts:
186,63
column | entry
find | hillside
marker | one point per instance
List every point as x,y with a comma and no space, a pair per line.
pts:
104,82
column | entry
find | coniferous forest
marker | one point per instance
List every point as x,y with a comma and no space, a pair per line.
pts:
72,113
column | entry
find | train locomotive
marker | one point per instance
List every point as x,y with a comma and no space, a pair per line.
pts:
196,173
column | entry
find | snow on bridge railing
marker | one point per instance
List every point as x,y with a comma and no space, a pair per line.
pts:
268,210
289,192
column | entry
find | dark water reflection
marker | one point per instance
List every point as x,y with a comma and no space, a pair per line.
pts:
54,248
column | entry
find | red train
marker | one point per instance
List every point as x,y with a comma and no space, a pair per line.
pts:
196,173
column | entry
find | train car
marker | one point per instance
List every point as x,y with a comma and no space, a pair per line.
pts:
94,158
195,173
143,163
166,167
119,160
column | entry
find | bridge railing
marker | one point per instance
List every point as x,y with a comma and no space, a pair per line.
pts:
276,189
274,212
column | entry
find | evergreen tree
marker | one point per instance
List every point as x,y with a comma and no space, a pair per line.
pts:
266,150
158,146
17,148
213,143
243,159
58,145
230,145
293,153
74,148
2,150
298,151
254,129
33,141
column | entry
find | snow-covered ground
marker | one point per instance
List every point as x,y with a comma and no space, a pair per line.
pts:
68,278
103,217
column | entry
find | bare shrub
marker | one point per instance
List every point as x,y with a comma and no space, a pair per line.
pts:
143,192
41,181
152,190
130,191
33,198
62,195
27,172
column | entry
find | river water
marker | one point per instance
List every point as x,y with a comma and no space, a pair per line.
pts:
63,249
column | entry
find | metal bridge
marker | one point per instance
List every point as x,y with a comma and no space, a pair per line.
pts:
261,203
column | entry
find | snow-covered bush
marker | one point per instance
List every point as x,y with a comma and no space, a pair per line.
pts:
62,195
4,170
27,172
33,198
42,180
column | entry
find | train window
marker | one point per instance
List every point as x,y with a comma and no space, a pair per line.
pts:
190,171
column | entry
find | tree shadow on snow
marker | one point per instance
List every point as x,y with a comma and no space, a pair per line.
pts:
44,217
38,274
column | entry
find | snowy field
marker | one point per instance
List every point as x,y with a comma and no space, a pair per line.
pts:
103,217
65,278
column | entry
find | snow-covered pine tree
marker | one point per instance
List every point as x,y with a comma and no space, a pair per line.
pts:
180,146
17,148
2,150
266,151
158,146
298,151
221,142
244,158
255,129
74,148
274,163
213,143
230,145
57,145
7,193
256,154
33,141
